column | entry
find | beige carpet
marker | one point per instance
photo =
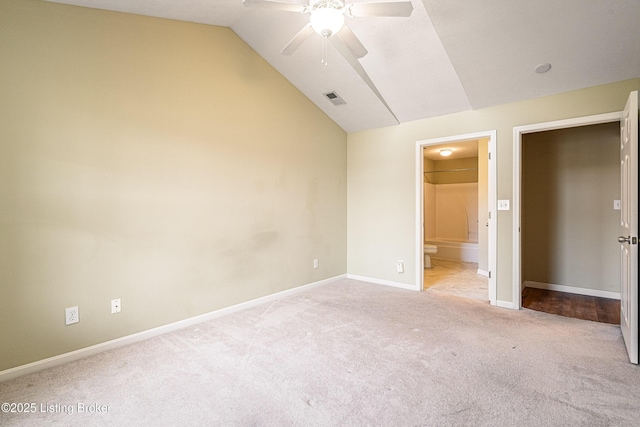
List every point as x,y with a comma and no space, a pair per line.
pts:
349,354
456,278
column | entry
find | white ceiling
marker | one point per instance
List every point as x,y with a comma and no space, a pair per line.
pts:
449,56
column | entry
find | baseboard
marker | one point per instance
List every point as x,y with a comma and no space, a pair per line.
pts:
572,290
483,273
505,304
144,335
383,282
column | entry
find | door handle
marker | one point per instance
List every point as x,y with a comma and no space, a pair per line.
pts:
630,240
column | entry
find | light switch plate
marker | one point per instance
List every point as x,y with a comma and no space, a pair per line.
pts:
616,205
503,205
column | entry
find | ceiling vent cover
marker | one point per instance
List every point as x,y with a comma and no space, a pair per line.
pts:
334,98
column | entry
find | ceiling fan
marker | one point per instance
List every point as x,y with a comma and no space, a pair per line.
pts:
327,20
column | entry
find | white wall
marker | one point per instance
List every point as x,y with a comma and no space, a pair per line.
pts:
455,208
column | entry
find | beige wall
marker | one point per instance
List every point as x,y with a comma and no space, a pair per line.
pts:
452,177
160,162
570,179
382,178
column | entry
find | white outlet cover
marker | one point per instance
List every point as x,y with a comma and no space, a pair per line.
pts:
72,315
116,307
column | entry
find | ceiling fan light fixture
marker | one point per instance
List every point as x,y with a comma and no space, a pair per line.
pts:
326,21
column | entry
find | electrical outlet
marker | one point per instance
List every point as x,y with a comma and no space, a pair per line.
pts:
400,266
316,264
115,306
72,315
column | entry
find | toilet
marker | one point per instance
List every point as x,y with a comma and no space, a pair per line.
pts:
428,251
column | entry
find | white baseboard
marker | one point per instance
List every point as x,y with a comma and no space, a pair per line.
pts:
383,282
140,336
572,290
483,273
505,304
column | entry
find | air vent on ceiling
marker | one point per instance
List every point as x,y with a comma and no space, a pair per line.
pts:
334,98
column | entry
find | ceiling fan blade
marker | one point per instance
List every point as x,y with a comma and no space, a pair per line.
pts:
353,61
288,6
403,8
297,40
351,41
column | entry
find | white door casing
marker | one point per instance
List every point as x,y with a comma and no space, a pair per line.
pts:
518,133
629,226
492,204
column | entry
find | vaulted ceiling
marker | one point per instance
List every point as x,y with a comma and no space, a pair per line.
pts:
448,56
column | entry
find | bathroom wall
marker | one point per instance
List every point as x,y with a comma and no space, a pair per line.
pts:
451,200
483,205
456,211
429,210
452,177
570,179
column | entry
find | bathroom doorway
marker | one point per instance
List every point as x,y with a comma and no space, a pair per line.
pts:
456,232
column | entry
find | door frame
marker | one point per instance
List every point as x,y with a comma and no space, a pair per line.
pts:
518,133
492,204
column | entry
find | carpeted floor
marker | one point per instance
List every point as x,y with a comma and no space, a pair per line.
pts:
350,353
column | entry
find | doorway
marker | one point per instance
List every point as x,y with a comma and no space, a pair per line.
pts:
519,216
481,229
570,209
627,206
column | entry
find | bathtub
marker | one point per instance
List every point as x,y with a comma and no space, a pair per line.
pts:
455,249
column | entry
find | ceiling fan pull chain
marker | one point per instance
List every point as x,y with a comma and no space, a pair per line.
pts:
325,42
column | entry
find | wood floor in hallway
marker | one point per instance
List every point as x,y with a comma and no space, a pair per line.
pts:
585,307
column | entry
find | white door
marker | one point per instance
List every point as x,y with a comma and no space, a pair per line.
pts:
629,226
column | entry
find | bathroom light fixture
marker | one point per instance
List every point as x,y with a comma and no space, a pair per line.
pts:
446,152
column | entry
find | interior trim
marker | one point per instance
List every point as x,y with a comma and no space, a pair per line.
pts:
383,282
141,336
572,290
518,132
492,206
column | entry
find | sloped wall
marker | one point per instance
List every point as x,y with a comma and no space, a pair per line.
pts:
160,162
